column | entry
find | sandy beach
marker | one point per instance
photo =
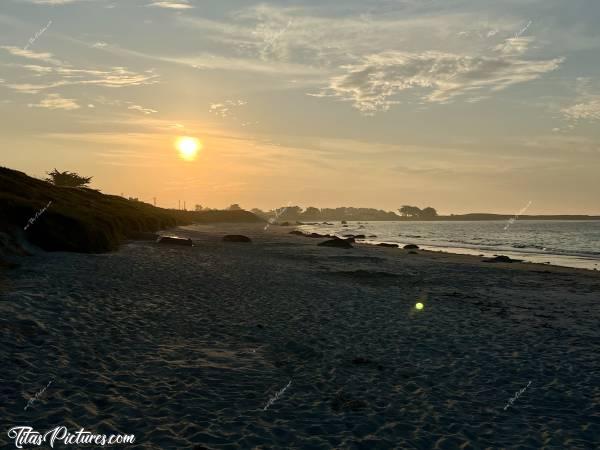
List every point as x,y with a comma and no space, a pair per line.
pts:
184,347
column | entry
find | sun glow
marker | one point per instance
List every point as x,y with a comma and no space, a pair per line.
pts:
188,147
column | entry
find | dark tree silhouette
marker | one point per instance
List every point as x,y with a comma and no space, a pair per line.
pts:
311,212
410,211
66,178
234,207
428,213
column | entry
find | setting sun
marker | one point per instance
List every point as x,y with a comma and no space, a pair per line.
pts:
188,147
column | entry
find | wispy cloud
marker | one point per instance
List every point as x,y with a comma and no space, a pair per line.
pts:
588,110
62,74
586,105
514,46
224,109
53,2
142,109
55,101
30,54
171,4
371,84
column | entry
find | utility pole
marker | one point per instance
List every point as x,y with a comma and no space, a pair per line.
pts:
154,199
179,207
184,208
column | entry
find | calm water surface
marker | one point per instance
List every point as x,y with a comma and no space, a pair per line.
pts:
558,242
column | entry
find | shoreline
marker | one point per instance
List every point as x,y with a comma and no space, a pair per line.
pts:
468,258
589,261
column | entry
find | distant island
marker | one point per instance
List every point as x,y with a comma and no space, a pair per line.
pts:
406,213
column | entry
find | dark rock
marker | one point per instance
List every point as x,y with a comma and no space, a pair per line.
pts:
384,244
359,236
345,226
236,238
502,259
175,241
297,232
372,235
340,243
412,252
344,222
285,224
411,247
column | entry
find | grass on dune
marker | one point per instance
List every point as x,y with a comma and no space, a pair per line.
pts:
85,220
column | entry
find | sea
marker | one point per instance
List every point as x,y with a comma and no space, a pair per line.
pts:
566,243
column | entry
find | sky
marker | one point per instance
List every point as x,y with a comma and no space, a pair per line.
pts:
461,105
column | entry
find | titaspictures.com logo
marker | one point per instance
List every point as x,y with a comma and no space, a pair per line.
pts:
28,436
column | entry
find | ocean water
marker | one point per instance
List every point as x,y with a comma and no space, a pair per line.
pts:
557,242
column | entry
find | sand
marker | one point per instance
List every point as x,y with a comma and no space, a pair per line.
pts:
184,347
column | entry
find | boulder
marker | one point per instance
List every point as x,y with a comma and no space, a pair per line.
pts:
359,236
340,243
236,238
384,244
502,259
411,247
174,241
344,222
317,235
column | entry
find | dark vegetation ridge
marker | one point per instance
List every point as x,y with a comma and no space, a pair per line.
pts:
84,220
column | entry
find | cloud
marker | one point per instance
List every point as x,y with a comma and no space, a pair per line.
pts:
30,54
224,109
52,2
589,110
371,84
114,77
171,5
586,105
55,101
514,46
142,109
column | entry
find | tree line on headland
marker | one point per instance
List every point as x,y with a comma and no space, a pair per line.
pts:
406,213
296,213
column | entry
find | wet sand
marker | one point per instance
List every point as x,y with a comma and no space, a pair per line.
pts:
184,347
